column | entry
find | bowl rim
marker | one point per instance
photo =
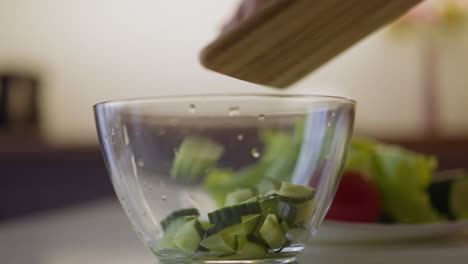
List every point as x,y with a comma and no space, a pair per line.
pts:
345,100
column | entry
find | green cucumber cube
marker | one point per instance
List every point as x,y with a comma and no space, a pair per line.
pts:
194,158
225,244
269,205
250,223
272,233
239,196
248,249
284,227
304,211
189,235
296,191
166,242
177,223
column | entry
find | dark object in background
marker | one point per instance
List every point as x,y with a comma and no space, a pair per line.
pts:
35,177
18,103
440,191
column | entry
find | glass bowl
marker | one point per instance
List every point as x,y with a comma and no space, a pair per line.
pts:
226,178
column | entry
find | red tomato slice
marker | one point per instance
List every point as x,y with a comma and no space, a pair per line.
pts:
357,200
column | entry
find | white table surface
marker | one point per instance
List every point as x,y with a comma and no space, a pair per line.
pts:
99,232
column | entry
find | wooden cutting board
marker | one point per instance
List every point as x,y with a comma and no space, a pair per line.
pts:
285,40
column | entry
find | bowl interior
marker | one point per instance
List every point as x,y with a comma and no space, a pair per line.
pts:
169,154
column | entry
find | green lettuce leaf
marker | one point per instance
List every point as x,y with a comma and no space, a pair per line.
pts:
402,177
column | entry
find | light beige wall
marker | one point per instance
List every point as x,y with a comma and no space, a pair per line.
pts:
96,50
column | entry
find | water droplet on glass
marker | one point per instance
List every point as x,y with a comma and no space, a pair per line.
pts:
240,137
164,197
122,199
113,131
255,153
333,114
192,109
261,117
329,124
141,163
234,111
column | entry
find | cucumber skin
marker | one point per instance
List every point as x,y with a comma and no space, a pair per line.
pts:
179,213
439,193
225,214
217,228
296,200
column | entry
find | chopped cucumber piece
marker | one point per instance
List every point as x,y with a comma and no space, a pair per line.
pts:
284,227
172,227
293,193
248,249
214,229
225,244
239,196
287,213
272,233
439,193
252,200
247,226
178,214
194,158
166,242
459,198
233,213
219,182
304,211
269,205
276,184
205,224
189,235
250,223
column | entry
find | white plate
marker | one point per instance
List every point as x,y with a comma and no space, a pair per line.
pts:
335,231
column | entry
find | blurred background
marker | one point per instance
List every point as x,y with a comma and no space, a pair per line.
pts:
59,57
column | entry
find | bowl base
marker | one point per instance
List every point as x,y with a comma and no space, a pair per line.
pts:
287,255
240,261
